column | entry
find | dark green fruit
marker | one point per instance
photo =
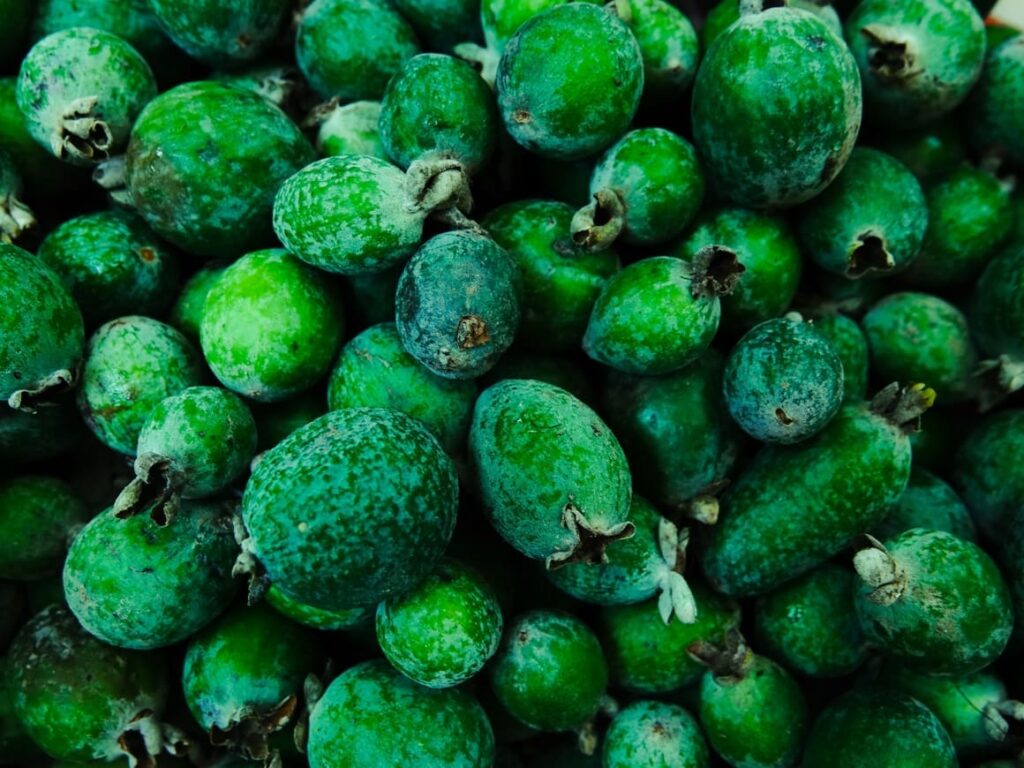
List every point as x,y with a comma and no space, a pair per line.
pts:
931,153
16,747
928,502
987,474
996,109
727,12
652,734
222,32
849,342
996,314
187,313
38,517
441,24
133,21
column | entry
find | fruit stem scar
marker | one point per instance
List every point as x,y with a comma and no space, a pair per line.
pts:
595,226
869,254
715,271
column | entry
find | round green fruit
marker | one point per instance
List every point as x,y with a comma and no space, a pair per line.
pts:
38,518
653,734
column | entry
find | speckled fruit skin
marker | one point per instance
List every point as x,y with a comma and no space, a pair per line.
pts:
810,624
438,103
204,163
352,129
125,579
569,81
76,696
996,108
351,508
318,618
77,76
996,308
271,326
187,313
869,728
222,32
131,364
371,716
113,265
849,342
443,632
794,507
546,466
917,60
786,124
668,46
351,48
132,21
928,502
931,152
872,219
987,474
38,515
953,615
653,734
457,305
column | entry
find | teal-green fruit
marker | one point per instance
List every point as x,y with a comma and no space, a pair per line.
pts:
775,137
442,632
15,745
222,32
442,24
835,486
133,21
271,326
41,331
928,502
204,163
919,337
125,580
457,305
113,265
501,19
279,83
373,716
987,474
45,434
80,90
370,298
645,189
810,624
275,421
38,517
131,365
187,313
354,507
550,672
653,734
15,217
566,373
80,699
351,48
569,81
727,12
438,104
551,476
996,308
18,15
869,727
660,313
871,220
849,342
318,618
559,280
917,60
931,152
351,129
934,601
996,109
997,33
668,46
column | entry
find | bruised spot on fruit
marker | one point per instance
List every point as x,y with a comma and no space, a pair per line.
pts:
870,255
472,332
783,417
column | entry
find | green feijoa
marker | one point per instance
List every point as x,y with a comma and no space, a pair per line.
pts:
135,584
41,331
351,48
187,313
132,21
771,135
727,12
919,337
845,295
271,325
222,32
646,655
931,152
559,280
17,748
569,81
457,306
645,189
131,364
918,59
204,163
442,632
15,216
442,24
354,507
987,473
551,476
849,342
38,517
318,618
995,116
794,507
654,734
275,421
113,265
871,220
660,313
80,699
928,502
996,313
49,432
668,46
351,129
810,624
438,104
934,601
80,90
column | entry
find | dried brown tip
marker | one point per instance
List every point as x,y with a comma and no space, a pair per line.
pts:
998,379
903,406
729,662
715,271
156,488
590,543
890,58
597,225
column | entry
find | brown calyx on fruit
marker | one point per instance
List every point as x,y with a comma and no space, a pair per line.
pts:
903,406
715,271
471,332
590,542
890,58
729,663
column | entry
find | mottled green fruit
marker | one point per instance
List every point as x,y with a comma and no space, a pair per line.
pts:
652,734
569,81
995,117
351,129
442,24
567,373
275,421
931,153
15,217
996,308
133,21
318,618
125,579
187,313
222,32
871,220
771,135
849,342
16,748
928,502
271,326
279,83
987,473
38,516
668,46
49,432
372,716
727,12
843,294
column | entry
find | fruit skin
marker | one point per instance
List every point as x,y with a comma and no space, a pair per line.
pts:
271,326
871,219
996,108
204,162
569,81
133,21
987,474
442,24
372,716
931,152
38,516
653,734
996,307
124,579
187,313
775,137
318,618
351,129
219,32
567,373
549,672
351,508
457,306
550,474
927,502
668,46
849,342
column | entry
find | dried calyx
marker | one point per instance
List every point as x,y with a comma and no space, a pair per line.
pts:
675,598
156,488
437,185
715,271
890,56
146,737
729,663
880,571
588,543
997,380
81,136
42,393
247,564
597,225
15,218
868,254
248,733
903,406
